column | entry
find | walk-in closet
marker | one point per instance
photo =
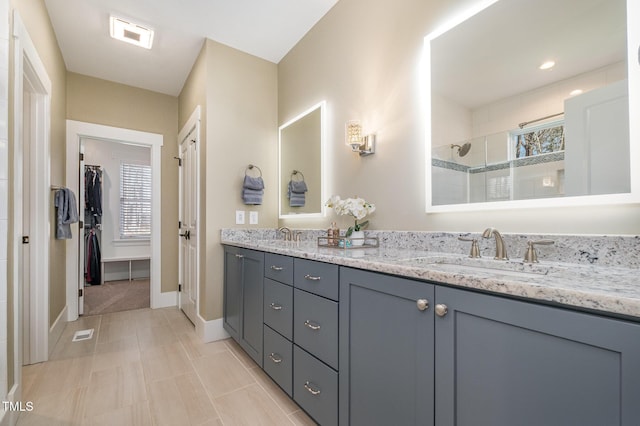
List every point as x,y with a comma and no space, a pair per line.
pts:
116,189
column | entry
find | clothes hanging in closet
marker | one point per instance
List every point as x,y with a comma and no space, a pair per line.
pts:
92,273
93,195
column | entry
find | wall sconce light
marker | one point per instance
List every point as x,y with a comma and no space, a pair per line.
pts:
353,137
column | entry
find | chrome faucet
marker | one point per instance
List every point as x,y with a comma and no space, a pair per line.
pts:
501,249
286,231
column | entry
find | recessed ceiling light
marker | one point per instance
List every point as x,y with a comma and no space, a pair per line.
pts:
575,92
547,65
130,32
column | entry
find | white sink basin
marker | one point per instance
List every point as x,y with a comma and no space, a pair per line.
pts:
483,265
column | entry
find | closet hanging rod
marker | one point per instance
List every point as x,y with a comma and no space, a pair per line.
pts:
56,187
93,166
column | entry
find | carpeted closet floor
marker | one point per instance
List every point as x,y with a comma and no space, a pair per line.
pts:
116,296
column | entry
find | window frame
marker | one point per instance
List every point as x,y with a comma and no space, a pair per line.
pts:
126,200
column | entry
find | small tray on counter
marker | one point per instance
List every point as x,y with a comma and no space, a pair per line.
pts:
346,243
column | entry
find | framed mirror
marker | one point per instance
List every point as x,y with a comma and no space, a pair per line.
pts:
300,165
529,104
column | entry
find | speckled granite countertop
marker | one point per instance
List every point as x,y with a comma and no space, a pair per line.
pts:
611,287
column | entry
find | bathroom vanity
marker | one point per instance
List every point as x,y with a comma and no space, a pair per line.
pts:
407,336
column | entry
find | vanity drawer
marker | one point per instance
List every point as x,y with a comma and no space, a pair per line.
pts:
316,326
278,267
316,277
315,387
278,307
278,359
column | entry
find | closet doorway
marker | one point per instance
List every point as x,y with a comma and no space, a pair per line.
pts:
115,210
77,133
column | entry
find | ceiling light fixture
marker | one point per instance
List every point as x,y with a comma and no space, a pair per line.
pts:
130,33
547,65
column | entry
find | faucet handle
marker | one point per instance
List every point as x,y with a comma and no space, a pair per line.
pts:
475,250
531,256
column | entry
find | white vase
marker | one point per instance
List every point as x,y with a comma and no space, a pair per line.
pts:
357,238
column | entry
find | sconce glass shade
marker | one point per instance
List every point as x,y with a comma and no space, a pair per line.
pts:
353,134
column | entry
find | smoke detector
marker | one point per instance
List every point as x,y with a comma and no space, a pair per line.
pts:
129,32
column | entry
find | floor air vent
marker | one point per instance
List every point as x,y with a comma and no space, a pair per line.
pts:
83,335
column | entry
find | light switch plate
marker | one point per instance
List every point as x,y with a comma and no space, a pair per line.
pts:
239,217
253,218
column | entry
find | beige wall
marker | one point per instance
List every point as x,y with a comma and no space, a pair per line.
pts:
98,101
374,75
241,129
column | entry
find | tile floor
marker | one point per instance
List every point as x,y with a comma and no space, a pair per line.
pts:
147,367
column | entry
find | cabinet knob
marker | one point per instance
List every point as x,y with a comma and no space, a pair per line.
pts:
239,256
422,304
441,309
311,390
311,278
276,268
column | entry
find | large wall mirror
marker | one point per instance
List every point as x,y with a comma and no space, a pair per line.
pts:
530,103
300,164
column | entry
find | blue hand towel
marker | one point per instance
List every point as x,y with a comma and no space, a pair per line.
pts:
252,190
295,192
67,213
253,182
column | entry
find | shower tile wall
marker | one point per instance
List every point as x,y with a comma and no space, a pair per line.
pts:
449,186
4,187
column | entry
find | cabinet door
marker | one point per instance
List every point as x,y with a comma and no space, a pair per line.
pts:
386,350
252,297
506,362
232,305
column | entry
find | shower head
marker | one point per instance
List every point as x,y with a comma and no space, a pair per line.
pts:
462,150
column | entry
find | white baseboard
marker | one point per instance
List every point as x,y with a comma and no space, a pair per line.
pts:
165,300
55,331
210,331
10,418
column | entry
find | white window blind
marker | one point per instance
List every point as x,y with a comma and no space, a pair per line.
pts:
135,201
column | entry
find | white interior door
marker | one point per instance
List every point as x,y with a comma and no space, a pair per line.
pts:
188,194
82,261
26,230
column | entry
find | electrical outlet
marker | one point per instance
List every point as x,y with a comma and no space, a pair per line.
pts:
239,217
253,218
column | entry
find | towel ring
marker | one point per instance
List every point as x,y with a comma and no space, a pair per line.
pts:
295,172
251,167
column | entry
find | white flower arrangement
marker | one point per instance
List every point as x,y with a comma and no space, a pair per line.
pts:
356,207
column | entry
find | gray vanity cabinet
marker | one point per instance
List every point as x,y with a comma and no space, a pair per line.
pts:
386,350
477,359
505,362
243,294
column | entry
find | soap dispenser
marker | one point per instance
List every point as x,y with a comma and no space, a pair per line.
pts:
333,235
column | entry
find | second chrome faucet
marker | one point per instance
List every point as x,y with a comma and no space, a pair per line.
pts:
501,248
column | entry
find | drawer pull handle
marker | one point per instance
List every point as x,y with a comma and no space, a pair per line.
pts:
311,278
311,390
239,256
312,326
276,307
275,358
277,268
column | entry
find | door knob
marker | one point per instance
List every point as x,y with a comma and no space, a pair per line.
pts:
422,304
441,309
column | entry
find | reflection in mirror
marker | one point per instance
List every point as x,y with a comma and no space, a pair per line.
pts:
505,129
300,164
